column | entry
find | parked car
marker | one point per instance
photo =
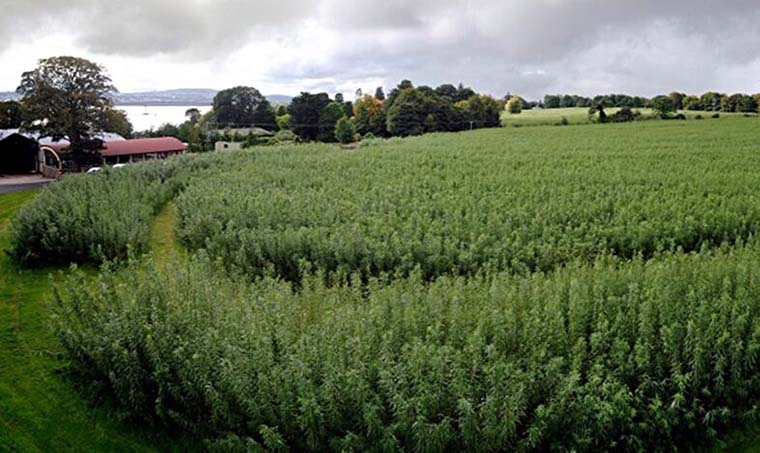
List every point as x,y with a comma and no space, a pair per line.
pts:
119,166
94,170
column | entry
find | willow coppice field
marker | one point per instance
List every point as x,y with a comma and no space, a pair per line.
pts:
477,203
525,289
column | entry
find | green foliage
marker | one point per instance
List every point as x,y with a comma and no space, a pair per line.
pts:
615,356
481,111
552,101
242,107
711,101
306,112
678,100
41,409
283,136
623,115
345,130
284,122
10,115
468,204
574,289
93,217
416,111
514,105
663,106
692,103
68,97
328,120
369,116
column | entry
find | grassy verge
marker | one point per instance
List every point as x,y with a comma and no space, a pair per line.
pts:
39,409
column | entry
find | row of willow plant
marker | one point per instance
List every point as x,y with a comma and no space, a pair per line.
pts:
470,204
92,218
618,355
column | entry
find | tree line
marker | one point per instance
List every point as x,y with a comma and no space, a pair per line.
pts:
710,101
407,110
68,97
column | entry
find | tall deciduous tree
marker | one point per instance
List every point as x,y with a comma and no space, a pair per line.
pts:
369,116
242,107
68,97
117,121
663,106
328,119
305,111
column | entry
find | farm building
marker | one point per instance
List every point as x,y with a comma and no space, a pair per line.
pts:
141,149
233,139
22,153
19,154
228,146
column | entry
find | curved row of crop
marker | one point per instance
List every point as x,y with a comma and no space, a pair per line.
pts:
96,217
615,356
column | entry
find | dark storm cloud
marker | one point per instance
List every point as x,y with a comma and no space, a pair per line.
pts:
526,46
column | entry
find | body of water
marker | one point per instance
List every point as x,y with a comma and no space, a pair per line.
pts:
153,116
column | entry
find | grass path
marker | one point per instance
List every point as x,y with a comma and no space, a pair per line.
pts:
163,241
39,409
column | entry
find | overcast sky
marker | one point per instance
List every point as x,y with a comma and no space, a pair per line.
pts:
528,47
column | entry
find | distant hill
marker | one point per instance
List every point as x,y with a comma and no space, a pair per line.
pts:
183,96
279,99
9,95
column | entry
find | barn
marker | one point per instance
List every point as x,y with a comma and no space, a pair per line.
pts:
19,154
140,149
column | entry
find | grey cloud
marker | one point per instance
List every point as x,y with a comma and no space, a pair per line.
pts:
526,46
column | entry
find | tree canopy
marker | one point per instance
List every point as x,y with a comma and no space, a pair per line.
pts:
10,115
66,97
243,107
306,111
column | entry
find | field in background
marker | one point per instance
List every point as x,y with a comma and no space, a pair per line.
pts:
579,115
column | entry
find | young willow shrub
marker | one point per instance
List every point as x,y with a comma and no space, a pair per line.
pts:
468,204
613,356
93,217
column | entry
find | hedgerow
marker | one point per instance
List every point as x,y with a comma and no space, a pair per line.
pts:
94,217
638,355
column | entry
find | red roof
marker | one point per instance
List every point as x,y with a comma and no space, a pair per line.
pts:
143,146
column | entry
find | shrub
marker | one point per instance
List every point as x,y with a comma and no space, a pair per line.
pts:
93,217
564,121
345,130
284,136
514,105
716,115
623,115
615,356
698,117
663,106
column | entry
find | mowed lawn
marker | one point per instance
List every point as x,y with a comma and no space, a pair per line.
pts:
579,115
40,409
